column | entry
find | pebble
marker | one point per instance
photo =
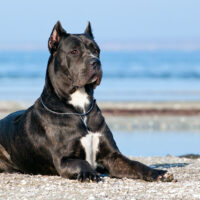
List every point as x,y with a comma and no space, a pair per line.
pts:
23,186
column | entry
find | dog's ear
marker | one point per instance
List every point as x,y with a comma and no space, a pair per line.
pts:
88,30
55,37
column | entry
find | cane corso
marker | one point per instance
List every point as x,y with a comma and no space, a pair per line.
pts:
64,132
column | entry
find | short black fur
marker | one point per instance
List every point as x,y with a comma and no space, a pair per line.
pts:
38,141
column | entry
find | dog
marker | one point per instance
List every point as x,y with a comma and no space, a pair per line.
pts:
64,133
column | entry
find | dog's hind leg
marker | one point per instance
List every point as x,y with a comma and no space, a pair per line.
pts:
6,164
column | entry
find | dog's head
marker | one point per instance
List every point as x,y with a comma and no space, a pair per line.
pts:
74,60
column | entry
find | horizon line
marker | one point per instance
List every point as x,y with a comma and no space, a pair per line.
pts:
116,46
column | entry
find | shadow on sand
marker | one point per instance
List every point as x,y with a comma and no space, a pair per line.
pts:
169,165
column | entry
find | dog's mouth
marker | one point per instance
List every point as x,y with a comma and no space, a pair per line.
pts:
94,80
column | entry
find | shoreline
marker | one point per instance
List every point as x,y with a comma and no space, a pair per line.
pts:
138,116
126,108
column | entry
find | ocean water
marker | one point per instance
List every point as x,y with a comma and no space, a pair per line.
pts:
157,143
127,76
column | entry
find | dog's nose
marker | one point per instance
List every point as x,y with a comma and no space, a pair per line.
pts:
95,63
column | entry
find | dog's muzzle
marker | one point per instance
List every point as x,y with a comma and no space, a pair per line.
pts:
95,72
95,63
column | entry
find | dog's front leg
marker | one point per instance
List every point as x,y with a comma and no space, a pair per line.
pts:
120,166
113,161
75,169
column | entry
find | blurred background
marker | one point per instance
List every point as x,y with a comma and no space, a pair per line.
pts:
150,53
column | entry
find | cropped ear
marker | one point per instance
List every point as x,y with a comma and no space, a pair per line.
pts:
88,30
55,37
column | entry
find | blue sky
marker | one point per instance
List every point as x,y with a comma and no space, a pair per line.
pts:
142,22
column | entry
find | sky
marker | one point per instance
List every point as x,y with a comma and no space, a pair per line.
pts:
139,23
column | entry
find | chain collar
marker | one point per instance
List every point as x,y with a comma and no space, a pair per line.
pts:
78,114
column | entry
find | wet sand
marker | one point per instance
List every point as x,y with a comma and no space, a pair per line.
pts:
138,116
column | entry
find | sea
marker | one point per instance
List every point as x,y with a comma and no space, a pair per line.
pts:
158,75
148,76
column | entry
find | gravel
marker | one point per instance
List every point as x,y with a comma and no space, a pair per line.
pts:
186,171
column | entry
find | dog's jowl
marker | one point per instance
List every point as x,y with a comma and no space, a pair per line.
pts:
64,132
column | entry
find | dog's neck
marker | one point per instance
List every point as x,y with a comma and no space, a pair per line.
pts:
79,101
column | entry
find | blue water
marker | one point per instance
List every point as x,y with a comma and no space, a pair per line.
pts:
128,76
157,143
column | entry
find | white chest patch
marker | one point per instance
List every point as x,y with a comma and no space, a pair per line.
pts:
79,98
91,145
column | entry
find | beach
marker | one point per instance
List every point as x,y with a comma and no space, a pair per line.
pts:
152,108
120,116
149,94
186,171
137,116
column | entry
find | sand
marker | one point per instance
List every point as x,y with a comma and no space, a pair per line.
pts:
186,171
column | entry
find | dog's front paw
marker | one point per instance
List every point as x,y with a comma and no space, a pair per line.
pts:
88,176
167,177
160,175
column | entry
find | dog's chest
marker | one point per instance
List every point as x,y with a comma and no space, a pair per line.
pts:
79,99
90,142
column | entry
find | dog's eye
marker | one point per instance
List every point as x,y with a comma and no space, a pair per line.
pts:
74,52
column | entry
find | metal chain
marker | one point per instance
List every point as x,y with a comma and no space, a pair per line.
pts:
78,114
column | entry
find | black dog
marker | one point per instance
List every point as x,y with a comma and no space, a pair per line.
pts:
64,132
